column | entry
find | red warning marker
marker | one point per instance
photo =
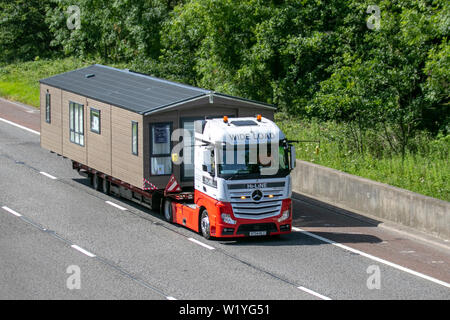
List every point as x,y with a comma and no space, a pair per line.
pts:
173,185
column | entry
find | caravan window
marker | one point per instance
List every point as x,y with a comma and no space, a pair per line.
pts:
95,120
134,138
76,123
47,107
160,158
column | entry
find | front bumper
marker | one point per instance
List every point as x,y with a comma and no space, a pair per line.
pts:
248,227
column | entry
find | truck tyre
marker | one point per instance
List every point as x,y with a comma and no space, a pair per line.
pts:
167,210
97,182
205,228
106,186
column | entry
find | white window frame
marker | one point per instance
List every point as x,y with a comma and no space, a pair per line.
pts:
76,123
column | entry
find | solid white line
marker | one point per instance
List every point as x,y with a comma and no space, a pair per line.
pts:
19,126
170,298
48,175
201,243
369,256
313,293
83,251
11,211
116,205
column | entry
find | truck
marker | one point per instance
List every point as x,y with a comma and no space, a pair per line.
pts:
213,163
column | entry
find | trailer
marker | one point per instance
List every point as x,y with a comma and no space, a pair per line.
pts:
131,135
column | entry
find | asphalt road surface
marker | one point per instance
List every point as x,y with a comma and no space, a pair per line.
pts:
60,239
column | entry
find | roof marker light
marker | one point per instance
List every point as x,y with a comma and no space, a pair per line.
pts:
225,119
259,117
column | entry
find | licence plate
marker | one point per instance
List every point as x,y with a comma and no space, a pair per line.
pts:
257,233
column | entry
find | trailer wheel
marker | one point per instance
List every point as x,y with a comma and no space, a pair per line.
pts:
97,182
106,186
205,228
167,210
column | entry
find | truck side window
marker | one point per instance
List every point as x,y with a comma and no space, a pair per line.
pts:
160,157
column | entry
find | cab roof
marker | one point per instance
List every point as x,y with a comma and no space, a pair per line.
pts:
241,130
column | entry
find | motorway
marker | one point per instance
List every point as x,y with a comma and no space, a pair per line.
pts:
51,219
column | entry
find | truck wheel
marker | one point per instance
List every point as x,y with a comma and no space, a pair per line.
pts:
167,210
97,182
106,186
205,225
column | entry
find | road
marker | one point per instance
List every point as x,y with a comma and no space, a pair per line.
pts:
52,221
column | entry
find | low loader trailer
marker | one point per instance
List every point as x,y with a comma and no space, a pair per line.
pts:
214,163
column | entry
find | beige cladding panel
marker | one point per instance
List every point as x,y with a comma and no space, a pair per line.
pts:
71,150
99,147
125,165
51,133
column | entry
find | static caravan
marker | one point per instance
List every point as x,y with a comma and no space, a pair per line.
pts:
119,122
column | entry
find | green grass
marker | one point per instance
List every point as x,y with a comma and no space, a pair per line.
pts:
427,171
20,81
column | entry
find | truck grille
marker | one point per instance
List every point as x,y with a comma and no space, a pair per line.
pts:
249,209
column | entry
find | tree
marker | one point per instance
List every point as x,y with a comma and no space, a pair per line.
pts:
23,32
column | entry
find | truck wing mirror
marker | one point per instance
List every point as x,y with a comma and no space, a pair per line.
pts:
293,157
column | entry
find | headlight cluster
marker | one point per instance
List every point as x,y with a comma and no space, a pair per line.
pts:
227,218
285,215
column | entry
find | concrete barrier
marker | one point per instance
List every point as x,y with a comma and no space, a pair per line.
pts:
372,199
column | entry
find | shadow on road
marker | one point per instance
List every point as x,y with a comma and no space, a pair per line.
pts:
309,212
301,239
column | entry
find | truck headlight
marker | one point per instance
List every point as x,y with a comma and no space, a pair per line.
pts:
285,215
227,218
286,208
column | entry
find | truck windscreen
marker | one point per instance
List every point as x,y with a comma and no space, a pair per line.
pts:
252,161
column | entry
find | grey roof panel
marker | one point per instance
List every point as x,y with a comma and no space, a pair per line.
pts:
130,90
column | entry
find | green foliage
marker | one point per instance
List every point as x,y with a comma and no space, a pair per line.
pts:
426,171
23,32
113,30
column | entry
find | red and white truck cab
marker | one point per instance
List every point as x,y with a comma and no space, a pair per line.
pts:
242,180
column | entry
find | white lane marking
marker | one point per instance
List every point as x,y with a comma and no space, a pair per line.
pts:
313,293
170,298
201,243
83,251
48,175
11,211
369,256
19,126
116,205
